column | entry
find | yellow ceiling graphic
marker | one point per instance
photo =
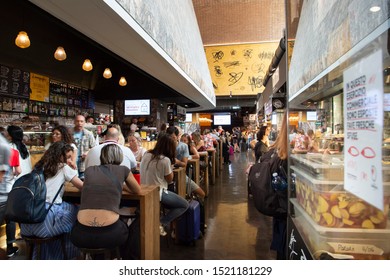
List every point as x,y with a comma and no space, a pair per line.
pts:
239,69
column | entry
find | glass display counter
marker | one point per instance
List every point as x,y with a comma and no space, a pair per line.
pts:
340,195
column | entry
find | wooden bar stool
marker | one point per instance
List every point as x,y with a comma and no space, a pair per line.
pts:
108,253
32,241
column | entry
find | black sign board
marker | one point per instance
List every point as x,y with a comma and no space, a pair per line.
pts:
14,81
278,103
296,247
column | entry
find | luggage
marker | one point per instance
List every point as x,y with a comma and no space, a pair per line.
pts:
188,225
201,202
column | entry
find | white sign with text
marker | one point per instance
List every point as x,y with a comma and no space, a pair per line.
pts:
363,119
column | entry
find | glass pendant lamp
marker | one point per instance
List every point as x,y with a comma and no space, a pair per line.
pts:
87,65
122,81
60,54
22,40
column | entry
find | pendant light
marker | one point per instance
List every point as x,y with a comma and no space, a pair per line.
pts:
60,54
107,73
22,40
122,81
87,65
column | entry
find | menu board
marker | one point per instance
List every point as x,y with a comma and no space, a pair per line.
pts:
14,81
363,117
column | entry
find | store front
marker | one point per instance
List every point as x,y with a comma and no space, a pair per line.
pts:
338,88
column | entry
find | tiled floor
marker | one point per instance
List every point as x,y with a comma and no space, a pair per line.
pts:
236,231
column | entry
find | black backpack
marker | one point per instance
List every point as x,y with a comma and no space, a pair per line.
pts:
267,200
27,199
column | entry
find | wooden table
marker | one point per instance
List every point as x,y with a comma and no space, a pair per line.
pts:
180,179
212,155
149,204
220,154
205,157
196,170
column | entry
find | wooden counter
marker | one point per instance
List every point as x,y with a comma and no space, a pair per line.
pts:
180,179
205,157
195,176
220,143
212,160
149,203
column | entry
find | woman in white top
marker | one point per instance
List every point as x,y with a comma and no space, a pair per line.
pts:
62,215
61,133
156,169
135,146
15,134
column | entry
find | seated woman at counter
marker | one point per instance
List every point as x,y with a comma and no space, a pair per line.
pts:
62,215
61,133
135,145
156,169
98,224
186,138
198,141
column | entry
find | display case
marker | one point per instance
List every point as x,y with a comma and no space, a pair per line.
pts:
340,193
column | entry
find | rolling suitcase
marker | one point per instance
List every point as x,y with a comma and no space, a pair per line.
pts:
188,225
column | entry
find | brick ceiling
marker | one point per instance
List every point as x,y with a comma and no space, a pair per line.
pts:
224,22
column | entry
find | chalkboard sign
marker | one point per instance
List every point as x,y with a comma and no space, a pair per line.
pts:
296,247
14,81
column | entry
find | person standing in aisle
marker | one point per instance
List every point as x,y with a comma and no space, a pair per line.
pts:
84,140
9,160
134,125
262,144
15,134
279,230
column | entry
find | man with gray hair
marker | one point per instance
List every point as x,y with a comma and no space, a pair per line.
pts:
111,136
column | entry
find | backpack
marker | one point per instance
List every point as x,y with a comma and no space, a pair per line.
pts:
27,199
267,200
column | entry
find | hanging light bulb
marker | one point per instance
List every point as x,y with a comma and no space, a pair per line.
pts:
22,40
107,73
87,65
60,53
122,81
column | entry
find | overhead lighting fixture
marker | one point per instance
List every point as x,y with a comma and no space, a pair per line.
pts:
60,53
375,9
87,65
22,40
107,73
122,81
